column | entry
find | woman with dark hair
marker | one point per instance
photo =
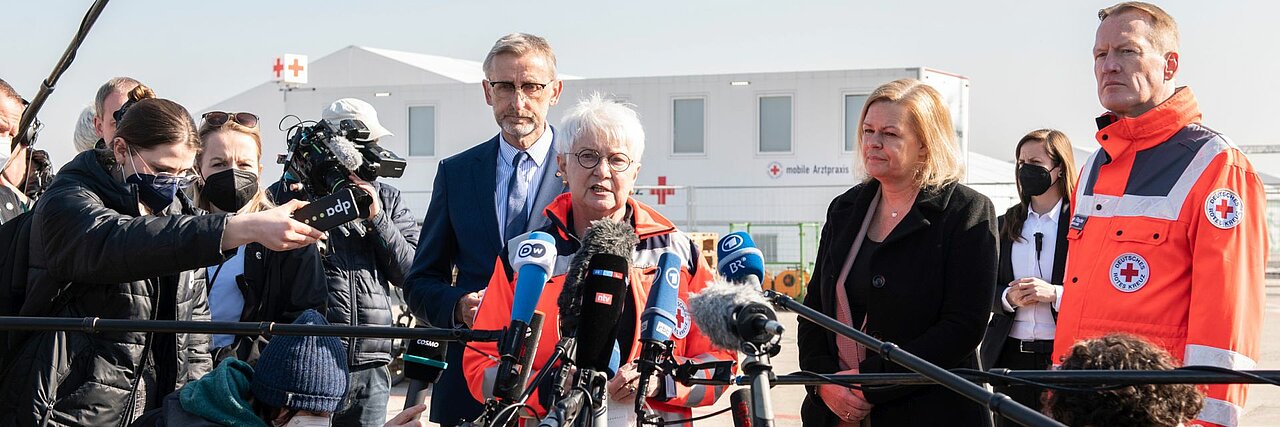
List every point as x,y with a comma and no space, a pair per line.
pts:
1163,405
907,256
255,284
1033,256
114,237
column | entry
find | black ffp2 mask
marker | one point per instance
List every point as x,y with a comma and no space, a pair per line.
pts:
230,189
1033,180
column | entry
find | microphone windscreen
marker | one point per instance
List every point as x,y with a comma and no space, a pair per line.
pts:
712,310
658,320
534,259
602,304
739,258
603,237
345,152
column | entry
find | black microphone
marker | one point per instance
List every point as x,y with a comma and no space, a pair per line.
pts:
657,322
731,315
602,302
740,404
604,237
423,363
534,259
1039,244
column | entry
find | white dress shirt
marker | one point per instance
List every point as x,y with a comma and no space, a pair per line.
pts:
226,303
506,154
1035,322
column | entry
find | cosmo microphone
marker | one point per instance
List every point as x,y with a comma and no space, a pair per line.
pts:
732,315
658,321
740,260
423,363
603,237
534,259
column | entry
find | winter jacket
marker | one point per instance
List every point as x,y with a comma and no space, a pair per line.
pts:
93,255
277,287
362,260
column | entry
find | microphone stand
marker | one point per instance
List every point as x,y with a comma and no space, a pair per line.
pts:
756,367
998,403
653,359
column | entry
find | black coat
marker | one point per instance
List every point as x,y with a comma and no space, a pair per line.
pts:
277,287
364,258
1001,322
93,255
934,272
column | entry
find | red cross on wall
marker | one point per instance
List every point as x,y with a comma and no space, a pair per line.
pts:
775,170
662,193
296,67
1128,272
1224,208
278,67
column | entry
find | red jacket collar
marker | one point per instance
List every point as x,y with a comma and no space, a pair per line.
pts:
1119,135
647,221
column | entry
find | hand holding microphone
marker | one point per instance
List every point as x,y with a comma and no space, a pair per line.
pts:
625,386
533,260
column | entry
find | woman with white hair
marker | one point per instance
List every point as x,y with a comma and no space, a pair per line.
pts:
599,157
85,138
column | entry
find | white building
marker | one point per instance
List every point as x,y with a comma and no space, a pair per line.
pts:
768,149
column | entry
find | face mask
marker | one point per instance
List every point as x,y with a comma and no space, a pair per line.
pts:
230,189
156,194
1033,180
308,421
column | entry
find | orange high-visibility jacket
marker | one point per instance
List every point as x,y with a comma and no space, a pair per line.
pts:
1168,242
657,236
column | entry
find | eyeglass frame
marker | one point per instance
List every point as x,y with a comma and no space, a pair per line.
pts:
599,157
500,91
183,179
231,117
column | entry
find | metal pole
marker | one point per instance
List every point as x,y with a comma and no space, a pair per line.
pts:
95,325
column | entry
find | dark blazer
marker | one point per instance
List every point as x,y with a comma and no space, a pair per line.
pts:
277,287
461,231
1001,322
931,292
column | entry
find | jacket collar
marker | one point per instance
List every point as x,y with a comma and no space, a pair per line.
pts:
929,202
646,221
1124,135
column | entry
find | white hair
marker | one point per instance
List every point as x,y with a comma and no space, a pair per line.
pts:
85,137
601,117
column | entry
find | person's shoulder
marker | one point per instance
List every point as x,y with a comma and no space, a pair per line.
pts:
479,151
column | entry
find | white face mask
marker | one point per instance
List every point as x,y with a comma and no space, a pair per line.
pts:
5,152
308,421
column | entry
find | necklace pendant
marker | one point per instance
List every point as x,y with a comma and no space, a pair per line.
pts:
893,214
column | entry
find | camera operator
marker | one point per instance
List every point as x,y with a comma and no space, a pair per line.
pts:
364,258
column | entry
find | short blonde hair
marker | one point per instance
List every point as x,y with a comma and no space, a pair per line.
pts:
520,44
930,121
1164,30
259,202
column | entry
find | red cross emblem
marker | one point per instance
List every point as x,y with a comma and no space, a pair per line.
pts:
1223,208
775,170
296,67
662,193
278,67
1129,272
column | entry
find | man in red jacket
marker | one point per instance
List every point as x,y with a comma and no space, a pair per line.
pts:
1168,236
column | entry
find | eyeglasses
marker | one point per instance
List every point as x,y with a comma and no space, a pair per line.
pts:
507,89
219,118
182,179
588,158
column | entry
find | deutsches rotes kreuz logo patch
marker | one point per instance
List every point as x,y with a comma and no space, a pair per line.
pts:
1223,208
683,321
1129,272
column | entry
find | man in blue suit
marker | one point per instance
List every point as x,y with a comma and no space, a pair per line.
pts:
484,197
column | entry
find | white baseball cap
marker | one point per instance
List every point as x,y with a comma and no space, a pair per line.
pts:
352,108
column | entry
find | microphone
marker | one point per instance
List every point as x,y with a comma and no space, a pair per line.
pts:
423,363
1039,243
657,322
731,315
740,402
534,259
602,303
603,237
740,260
345,152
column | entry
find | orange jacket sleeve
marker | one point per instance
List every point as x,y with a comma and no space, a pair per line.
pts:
1229,254
697,348
494,314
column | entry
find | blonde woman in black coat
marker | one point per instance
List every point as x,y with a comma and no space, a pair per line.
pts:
907,256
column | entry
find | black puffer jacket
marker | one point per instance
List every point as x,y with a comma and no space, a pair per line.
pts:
363,259
277,287
93,255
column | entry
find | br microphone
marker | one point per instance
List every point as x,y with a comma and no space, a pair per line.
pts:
423,363
657,322
740,260
534,259
731,315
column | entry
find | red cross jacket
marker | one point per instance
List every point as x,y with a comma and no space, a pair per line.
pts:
657,236
1168,242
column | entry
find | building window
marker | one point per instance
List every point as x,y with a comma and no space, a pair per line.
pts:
422,131
689,126
775,124
852,109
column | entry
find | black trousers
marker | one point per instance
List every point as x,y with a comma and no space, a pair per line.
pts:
1017,355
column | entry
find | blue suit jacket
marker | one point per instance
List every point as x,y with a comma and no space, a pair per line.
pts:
461,230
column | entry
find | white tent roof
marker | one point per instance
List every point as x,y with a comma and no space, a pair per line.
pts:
460,70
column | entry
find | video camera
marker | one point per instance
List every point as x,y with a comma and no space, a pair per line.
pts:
322,157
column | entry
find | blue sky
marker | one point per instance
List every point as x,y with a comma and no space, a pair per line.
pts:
1029,61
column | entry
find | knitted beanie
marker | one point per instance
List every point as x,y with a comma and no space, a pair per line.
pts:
302,372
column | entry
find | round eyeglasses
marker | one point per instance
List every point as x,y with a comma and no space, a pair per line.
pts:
588,158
